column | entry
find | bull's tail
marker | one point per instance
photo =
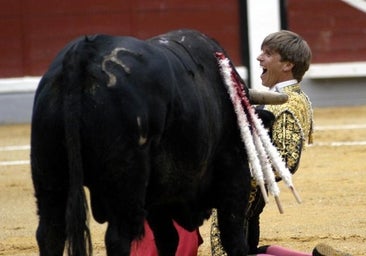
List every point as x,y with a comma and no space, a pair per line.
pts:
77,228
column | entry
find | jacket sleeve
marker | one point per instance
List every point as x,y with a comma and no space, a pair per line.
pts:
288,138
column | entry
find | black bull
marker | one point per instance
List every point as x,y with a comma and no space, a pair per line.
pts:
148,127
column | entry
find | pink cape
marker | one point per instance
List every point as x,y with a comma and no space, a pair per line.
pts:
188,243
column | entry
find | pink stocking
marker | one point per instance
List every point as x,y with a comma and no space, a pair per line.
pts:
281,251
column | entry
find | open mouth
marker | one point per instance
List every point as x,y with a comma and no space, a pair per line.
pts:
264,70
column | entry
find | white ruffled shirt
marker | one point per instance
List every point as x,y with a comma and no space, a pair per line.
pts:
279,86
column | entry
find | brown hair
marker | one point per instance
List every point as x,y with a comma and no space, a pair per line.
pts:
291,47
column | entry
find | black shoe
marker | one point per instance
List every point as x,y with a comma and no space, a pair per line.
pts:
262,249
326,250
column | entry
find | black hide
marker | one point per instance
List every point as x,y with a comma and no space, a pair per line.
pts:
148,127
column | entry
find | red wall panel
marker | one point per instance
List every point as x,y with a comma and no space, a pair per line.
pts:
334,30
11,39
32,32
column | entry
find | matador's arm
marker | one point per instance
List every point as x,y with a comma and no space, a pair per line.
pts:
288,138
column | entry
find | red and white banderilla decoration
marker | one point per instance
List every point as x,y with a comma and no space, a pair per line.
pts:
262,154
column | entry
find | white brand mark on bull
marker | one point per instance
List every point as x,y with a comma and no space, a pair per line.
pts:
163,41
114,58
142,139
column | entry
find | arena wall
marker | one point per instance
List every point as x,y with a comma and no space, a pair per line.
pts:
335,32
32,32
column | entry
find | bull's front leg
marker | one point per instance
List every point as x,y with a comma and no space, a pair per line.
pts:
232,233
165,234
124,188
116,244
232,195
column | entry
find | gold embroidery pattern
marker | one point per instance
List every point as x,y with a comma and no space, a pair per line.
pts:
293,126
216,247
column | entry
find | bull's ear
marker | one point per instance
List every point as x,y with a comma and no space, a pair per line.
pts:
266,116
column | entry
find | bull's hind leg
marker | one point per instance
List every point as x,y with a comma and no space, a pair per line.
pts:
49,176
51,228
51,195
50,181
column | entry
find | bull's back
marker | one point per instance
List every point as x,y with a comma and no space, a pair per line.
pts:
200,94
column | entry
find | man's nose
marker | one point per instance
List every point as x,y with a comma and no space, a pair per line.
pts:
259,57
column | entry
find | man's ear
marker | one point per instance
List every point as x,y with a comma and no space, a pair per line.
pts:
288,66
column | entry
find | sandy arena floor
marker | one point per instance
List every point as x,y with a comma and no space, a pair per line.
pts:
331,181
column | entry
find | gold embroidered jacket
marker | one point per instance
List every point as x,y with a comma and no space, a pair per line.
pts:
290,132
293,126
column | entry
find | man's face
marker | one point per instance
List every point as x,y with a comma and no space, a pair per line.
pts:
274,70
